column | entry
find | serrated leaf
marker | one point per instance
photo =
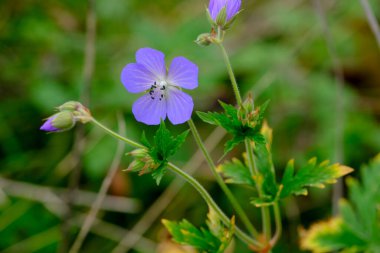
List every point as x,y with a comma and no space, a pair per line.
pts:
358,227
236,172
230,121
329,236
311,175
155,157
185,233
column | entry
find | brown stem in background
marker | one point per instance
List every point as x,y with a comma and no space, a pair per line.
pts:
339,102
371,20
79,142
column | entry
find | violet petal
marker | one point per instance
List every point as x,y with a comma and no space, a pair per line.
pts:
233,6
149,111
136,78
179,106
48,125
153,60
183,73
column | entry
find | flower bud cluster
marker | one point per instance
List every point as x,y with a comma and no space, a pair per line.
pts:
246,113
143,162
66,118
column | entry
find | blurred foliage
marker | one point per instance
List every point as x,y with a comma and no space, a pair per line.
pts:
278,52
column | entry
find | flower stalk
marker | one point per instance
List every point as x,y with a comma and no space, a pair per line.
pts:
230,73
235,204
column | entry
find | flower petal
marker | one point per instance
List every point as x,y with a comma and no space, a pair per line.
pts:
153,60
48,125
149,111
233,6
215,7
183,73
136,78
179,106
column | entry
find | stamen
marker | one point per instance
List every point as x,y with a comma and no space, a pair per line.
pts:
157,90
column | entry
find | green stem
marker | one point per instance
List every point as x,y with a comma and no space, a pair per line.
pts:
253,170
239,233
230,73
235,204
206,196
116,135
277,218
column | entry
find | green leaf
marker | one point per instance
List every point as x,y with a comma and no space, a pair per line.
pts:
329,236
166,145
185,233
236,172
217,228
264,164
215,239
358,227
311,175
144,140
155,157
231,122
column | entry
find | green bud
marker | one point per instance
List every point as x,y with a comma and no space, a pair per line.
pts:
143,162
204,39
63,121
246,110
69,106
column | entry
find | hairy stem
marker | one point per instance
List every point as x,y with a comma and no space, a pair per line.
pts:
117,136
235,204
230,73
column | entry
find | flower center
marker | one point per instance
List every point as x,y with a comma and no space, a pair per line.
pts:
158,90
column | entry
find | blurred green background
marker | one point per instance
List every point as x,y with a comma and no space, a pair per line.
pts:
278,50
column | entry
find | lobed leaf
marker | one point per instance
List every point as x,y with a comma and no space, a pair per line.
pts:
155,157
230,121
311,175
236,172
185,233
358,227
331,235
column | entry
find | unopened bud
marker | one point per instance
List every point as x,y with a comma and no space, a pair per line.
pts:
245,110
204,39
59,122
69,106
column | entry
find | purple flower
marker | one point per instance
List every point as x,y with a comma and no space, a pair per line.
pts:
232,8
163,96
48,125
